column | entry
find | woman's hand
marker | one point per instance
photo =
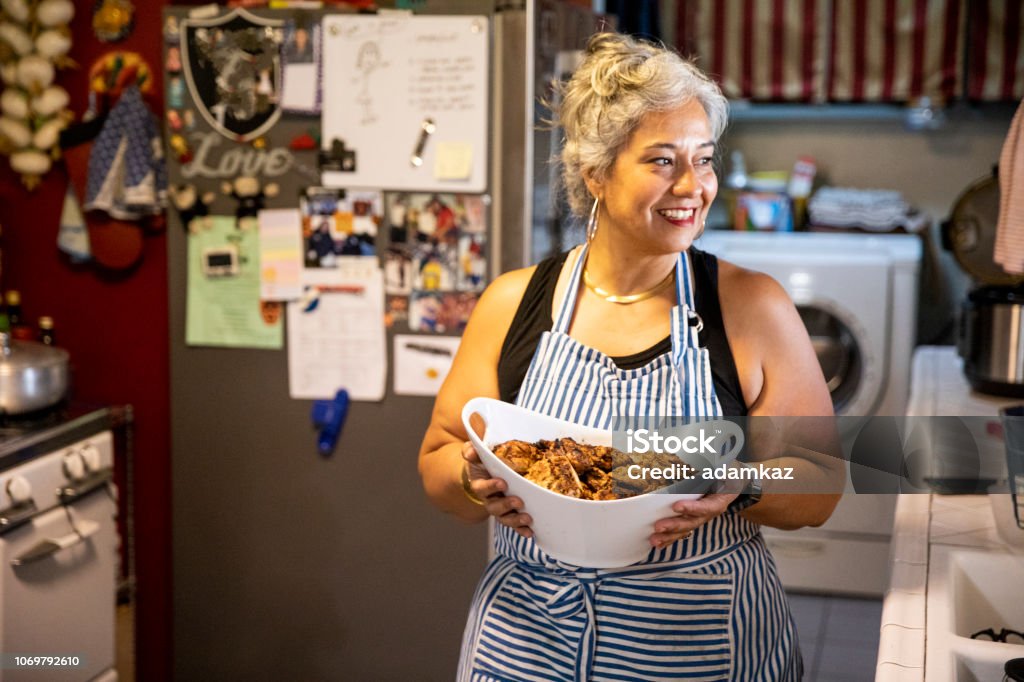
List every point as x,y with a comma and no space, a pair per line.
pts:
691,514
507,510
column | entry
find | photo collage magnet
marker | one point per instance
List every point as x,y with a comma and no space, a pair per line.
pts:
337,222
435,264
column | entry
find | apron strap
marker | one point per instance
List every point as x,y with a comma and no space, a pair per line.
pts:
568,303
686,323
684,281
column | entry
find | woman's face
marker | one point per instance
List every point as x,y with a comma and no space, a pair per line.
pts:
658,192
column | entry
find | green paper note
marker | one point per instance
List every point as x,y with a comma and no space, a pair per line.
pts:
224,309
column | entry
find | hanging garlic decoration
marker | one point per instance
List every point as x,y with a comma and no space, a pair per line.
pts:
34,42
14,103
53,45
54,13
16,38
50,101
16,10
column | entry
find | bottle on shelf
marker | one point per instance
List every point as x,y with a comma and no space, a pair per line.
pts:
735,182
13,300
801,183
737,177
19,330
46,330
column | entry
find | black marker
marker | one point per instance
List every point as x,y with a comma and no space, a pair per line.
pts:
428,349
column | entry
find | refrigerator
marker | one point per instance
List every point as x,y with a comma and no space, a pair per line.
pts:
292,565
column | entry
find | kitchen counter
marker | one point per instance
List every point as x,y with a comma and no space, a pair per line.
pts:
938,387
915,643
933,537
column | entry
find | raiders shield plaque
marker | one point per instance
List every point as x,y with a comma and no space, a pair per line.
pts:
232,66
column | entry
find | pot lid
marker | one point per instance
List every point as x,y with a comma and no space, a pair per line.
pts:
19,355
971,233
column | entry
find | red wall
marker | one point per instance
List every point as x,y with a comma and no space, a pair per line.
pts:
115,326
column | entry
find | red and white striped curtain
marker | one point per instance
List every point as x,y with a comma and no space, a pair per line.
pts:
995,56
758,49
857,50
895,50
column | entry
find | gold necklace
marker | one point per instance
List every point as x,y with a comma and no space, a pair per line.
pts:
629,298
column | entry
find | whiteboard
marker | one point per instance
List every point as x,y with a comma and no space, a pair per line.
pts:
405,102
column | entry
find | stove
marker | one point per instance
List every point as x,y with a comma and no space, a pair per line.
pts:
58,545
24,437
15,426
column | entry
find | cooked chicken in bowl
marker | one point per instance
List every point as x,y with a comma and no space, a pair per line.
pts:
587,472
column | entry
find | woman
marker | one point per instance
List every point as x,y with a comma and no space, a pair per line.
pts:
633,317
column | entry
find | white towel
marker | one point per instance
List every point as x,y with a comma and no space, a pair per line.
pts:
875,210
1009,251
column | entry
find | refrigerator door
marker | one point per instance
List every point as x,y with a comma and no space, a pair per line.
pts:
288,564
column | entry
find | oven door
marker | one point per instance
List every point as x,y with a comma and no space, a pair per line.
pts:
58,591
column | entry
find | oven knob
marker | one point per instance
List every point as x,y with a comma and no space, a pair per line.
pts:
19,489
74,466
91,456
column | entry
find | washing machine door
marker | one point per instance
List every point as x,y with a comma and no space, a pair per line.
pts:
838,353
844,300
851,356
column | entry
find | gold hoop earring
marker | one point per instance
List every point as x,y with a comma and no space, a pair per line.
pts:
592,221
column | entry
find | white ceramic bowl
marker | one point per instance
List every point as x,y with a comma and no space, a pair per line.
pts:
591,533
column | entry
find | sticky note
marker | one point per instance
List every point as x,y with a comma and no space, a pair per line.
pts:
454,161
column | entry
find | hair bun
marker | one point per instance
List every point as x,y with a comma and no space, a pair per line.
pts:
618,62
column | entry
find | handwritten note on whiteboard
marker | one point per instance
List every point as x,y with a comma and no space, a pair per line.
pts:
405,102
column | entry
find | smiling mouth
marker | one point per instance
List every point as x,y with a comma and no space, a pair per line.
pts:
677,214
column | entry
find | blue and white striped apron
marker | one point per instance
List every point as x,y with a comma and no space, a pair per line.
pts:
706,608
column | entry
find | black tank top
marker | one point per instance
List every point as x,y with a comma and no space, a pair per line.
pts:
533,318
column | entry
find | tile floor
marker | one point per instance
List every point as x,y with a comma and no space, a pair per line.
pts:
838,637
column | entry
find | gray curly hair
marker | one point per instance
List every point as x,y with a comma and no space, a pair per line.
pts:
619,81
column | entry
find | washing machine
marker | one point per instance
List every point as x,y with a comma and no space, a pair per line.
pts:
857,296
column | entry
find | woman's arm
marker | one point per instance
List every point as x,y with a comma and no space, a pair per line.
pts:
781,377
785,389
474,373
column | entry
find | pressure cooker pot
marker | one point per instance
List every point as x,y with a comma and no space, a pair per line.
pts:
992,340
33,375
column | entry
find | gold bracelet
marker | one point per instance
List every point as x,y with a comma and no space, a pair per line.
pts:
465,486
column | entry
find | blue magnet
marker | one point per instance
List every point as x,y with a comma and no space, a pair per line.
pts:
175,93
329,417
